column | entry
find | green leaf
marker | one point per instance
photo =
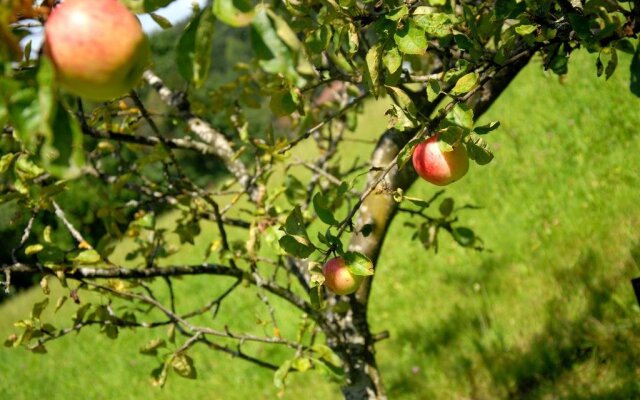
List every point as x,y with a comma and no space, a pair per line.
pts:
44,285
403,100
372,72
153,5
478,150
280,376
599,67
407,151
284,102
462,116
87,257
316,278
461,68
26,169
195,47
301,364
471,20
392,60
297,245
445,146
433,90
5,162
464,236
358,264
159,374
318,40
171,333
46,97
183,365
315,296
33,249
411,38
331,240
296,241
110,330
322,207
60,303
152,347
399,118
38,348
508,8
398,13
484,129
580,25
446,207
332,371
135,6
353,40
24,113
51,255
284,31
63,153
524,30
81,312
272,42
463,42
187,230
434,24
625,46
611,66
39,307
465,84
147,221
236,13
416,201
161,21
295,191
559,63
323,353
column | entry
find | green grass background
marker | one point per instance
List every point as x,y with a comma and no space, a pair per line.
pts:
546,312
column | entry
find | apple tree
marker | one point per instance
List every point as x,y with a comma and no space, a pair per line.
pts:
83,119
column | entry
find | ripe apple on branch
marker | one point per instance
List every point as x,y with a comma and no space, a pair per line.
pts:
339,279
98,48
437,166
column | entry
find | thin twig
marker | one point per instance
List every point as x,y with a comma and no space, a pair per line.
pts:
72,230
202,269
23,240
318,126
220,145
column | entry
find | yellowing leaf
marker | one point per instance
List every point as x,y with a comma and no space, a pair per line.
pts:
465,84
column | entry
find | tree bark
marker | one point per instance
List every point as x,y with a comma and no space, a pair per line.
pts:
356,344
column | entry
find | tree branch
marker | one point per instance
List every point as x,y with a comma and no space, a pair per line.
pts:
219,144
171,271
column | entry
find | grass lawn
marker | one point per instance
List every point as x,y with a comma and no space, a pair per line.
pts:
546,312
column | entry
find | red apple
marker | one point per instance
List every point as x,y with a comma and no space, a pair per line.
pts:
438,167
97,47
338,278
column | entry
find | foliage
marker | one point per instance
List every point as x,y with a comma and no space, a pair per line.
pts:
311,66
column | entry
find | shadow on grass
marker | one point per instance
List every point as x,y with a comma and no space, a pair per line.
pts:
589,346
